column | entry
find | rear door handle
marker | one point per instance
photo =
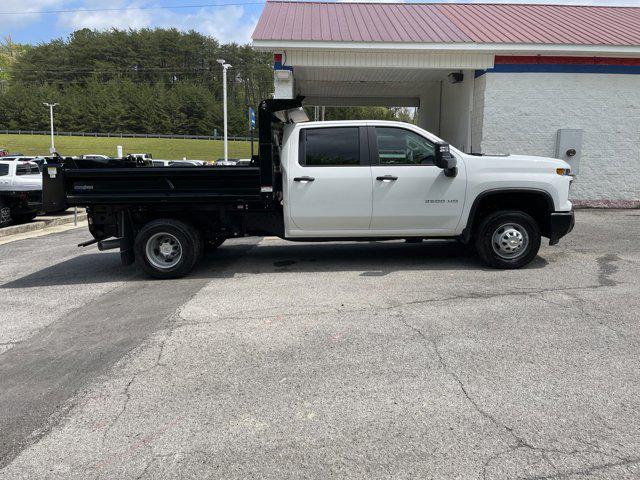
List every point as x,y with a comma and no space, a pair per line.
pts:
387,178
303,179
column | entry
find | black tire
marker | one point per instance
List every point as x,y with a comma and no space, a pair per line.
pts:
5,214
24,218
493,244
179,236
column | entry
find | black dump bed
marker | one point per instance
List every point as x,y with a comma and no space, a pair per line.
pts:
126,181
115,185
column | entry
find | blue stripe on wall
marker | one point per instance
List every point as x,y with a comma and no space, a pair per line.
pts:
551,68
279,66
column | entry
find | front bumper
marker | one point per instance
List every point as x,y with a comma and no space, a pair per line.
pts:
560,223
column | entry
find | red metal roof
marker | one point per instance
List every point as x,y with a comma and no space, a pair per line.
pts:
449,23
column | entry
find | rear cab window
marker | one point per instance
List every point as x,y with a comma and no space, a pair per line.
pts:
331,147
27,169
4,169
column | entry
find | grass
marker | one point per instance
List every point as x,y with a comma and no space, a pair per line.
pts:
160,148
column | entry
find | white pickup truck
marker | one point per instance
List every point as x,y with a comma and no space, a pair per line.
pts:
20,191
324,181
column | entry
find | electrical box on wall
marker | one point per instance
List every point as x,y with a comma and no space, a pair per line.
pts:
569,147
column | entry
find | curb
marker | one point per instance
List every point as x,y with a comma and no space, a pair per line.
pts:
39,225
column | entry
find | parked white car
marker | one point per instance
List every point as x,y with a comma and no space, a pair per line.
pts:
94,156
195,163
141,156
39,160
20,191
160,163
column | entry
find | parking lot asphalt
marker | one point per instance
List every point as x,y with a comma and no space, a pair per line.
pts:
341,360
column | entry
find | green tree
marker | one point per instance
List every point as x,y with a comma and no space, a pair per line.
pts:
141,81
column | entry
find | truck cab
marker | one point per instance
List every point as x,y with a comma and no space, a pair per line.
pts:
381,179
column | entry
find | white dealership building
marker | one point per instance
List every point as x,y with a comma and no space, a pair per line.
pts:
549,80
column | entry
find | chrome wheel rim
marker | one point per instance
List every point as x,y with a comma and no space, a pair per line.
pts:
510,241
163,250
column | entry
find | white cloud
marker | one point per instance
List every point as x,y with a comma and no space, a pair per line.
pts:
107,19
23,7
227,24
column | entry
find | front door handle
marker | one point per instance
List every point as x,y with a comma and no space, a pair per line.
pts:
303,179
387,178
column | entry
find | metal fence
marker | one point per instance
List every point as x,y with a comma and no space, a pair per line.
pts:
122,135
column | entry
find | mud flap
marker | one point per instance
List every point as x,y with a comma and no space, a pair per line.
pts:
127,255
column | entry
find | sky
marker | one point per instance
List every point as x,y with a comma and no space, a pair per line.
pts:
36,21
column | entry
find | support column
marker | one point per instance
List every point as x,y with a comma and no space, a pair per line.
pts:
429,110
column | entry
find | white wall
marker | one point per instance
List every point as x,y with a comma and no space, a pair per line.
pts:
523,112
457,103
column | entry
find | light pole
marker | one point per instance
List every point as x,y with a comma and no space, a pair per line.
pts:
51,105
225,66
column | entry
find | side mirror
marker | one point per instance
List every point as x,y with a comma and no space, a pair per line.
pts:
445,160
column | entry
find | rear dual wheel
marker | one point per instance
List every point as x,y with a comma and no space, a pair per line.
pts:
168,248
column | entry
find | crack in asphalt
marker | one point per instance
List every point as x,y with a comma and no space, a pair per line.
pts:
43,375
157,456
606,269
472,296
585,471
519,441
171,323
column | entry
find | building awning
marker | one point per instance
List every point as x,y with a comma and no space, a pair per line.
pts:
503,28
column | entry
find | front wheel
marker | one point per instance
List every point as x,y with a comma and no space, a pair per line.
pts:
167,248
508,239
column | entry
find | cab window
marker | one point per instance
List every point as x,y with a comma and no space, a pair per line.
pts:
397,146
330,147
27,169
4,170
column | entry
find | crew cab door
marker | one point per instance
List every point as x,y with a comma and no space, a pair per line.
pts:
5,176
329,184
410,194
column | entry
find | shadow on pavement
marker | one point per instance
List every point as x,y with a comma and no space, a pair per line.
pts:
370,258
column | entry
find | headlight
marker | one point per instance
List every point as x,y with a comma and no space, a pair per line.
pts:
563,171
